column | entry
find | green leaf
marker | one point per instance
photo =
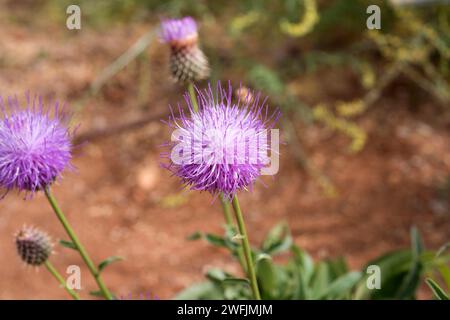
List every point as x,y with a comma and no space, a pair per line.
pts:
231,244
201,291
400,270
442,249
219,276
221,242
341,286
68,244
337,267
445,273
107,262
412,279
305,270
304,261
438,292
394,267
216,240
278,239
216,275
232,280
320,280
194,236
266,275
98,294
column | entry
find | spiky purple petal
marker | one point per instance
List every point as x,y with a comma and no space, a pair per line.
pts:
178,29
223,145
35,144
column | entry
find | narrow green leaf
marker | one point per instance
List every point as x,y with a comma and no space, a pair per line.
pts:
232,280
394,266
304,261
266,275
337,267
320,280
198,291
216,275
442,249
68,244
194,236
107,262
438,292
215,240
305,271
278,239
412,279
341,286
445,273
98,294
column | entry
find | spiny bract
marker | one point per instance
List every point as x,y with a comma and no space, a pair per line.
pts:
33,245
187,61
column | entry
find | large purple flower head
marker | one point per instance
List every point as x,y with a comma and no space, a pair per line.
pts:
35,144
223,147
178,30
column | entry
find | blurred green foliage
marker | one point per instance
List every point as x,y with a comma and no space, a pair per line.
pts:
303,278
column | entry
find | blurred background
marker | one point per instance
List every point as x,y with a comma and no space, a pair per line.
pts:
366,121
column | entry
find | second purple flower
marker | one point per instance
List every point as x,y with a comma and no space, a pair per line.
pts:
222,147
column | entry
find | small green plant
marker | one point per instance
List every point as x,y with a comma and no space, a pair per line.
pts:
443,270
302,278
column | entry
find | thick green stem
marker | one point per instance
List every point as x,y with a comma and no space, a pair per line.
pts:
91,266
251,274
193,97
60,279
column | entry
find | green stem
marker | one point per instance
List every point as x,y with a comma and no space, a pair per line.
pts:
92,268
193,97
225,203
229,221
60,279
226,210
247,251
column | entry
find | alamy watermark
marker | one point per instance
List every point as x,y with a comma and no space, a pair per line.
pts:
73,281
374,20
73,21
374,280
213,148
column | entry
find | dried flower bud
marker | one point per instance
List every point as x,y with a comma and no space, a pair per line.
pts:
187,61
33,245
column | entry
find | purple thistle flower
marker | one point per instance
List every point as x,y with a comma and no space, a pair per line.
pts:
178,30
222,147
35,144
